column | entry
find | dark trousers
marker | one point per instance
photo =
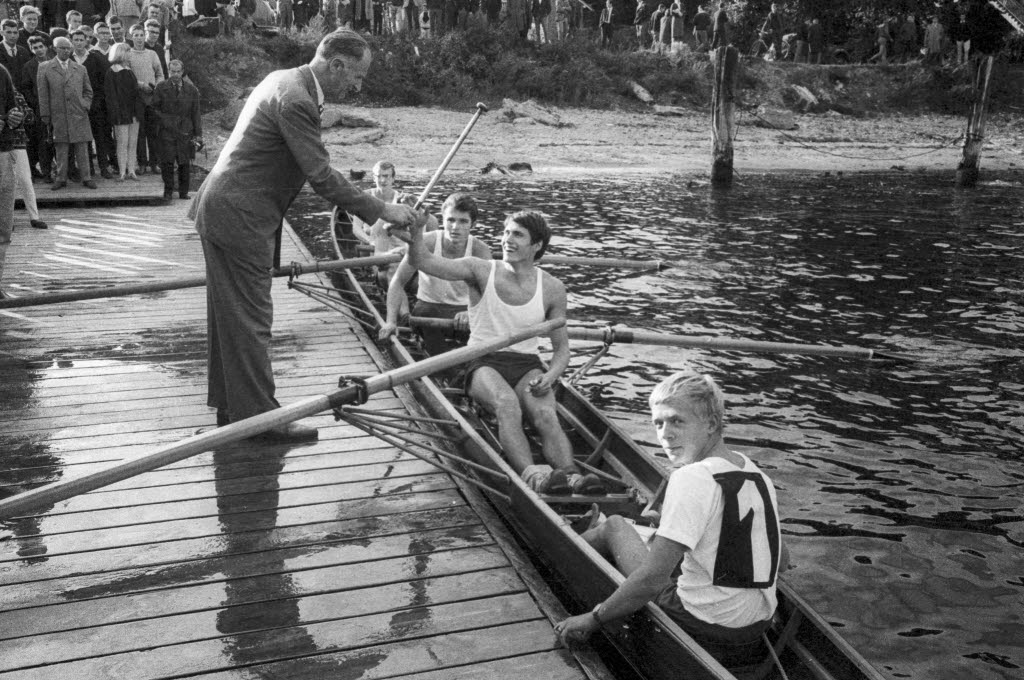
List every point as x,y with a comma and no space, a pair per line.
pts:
102,138
148,152
184,177
39,148
239,315
412,19
378,19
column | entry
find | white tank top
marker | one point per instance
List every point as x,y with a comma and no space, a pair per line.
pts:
439,291
491,318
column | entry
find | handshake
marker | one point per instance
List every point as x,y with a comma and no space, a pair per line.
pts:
403,219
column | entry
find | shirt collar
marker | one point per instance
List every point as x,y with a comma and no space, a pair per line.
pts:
319,90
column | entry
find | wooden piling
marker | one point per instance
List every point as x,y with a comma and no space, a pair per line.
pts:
723,114
967,171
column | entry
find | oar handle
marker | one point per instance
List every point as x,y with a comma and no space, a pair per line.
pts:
481,109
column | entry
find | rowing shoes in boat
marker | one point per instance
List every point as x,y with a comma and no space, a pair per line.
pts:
800,643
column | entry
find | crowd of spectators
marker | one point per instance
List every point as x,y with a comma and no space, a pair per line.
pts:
103,98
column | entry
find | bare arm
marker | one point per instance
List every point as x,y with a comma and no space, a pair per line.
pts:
555,308
396,291
639,588
420,257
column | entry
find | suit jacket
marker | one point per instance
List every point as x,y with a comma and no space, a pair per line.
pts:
180,120
14,64
64,98
97,67
273,150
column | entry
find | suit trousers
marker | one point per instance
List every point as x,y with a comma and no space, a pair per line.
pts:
60,151
6,204
147,153
103,139
239,316
39,148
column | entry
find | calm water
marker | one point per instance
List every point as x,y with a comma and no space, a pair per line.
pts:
901,486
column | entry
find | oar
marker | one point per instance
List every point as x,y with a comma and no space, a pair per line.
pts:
611,335
481,109
603,262
185,282
48,495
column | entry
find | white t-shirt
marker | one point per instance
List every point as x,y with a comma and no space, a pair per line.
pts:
692,515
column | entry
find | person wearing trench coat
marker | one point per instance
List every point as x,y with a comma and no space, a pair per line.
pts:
65,96
176,102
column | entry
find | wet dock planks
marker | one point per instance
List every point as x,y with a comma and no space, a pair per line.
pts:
345,558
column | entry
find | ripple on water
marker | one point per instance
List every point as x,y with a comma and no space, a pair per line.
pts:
900,484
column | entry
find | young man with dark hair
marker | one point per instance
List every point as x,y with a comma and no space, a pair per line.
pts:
38,147
507,296
97,67
437,298
13,56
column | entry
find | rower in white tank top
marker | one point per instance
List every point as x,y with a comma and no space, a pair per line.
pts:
439,291
492,318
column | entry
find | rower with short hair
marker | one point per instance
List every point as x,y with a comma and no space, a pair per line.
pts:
504,297
438,298
713,563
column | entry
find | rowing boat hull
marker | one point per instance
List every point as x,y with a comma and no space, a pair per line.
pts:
649,640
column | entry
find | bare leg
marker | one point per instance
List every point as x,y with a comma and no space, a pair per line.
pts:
490,390
618,541
542,413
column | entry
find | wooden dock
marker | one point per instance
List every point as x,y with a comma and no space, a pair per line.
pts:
149,190
345,558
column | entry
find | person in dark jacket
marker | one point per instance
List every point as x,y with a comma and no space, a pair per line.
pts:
40,151
773,29
96,67
176,101
720,36
124,109
13,56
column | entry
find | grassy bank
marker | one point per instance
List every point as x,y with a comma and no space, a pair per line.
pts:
481,64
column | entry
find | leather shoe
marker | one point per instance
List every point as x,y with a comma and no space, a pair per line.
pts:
292,432
58,185
106,174
38,224
168,195
89,183
183,194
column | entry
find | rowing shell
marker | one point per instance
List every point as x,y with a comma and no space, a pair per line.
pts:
650,641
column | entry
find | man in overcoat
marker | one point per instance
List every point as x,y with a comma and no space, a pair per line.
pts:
274,149
176,102
65,96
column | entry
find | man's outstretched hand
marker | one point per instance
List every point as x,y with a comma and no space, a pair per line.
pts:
399,214
412,229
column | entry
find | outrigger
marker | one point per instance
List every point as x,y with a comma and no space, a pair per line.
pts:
800,644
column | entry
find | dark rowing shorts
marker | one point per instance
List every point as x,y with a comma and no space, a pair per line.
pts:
512,366
731,646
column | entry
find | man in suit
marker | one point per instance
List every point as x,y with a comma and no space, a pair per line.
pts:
13,56
40,151
274,150
176,102
65,96
97,66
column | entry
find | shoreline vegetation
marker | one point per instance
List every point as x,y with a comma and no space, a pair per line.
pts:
856,117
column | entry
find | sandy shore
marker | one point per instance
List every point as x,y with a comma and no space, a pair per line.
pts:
619,142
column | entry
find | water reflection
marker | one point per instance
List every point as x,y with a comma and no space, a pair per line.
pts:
899,483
